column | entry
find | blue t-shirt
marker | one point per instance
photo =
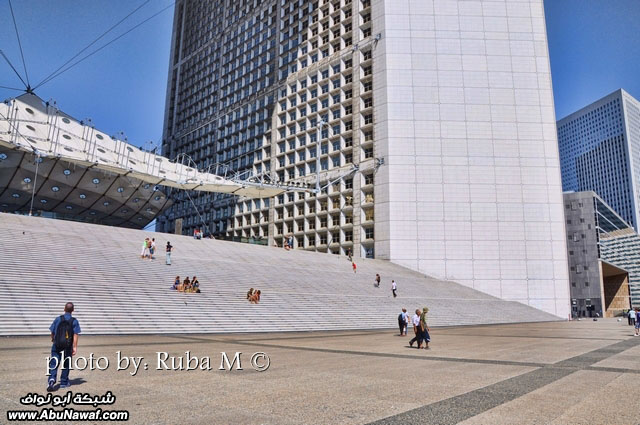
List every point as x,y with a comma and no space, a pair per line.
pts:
67,316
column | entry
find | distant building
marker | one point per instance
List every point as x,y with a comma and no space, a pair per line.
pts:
600,151
604,257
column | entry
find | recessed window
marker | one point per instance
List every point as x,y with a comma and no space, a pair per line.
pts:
105,203
31,128
55,189
99,137
124,211
43,201
157,198
66,136
26,180
3,156
92,212
15,195
101,150
96,181
66,172
66,120
69,207
146,186
83,196
120,189
29,110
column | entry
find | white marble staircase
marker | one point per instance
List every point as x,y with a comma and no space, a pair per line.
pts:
45,263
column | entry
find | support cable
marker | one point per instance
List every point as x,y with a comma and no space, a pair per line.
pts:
20,45
14,69
35,180
10,88
94,41
102,47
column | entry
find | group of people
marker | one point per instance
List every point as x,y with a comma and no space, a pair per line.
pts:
420,327
253,296
187,285
149,249
634,319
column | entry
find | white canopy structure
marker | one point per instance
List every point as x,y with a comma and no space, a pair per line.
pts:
29,124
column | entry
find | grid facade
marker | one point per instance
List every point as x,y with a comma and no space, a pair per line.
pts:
220,101
600,151
250,83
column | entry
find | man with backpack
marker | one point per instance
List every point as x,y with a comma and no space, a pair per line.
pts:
402,322
64,335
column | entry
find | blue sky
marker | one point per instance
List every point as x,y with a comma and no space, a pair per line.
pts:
594,47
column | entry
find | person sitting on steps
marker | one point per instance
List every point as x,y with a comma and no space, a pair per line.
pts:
195,285
176,284
186,285
249,293
255,298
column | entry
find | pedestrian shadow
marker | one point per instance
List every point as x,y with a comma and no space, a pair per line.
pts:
77,381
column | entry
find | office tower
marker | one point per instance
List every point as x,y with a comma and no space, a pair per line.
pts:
600,151
445,108
604,257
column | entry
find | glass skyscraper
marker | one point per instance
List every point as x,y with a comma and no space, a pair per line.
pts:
600,151
454,95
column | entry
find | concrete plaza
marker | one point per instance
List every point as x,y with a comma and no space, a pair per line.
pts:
538,373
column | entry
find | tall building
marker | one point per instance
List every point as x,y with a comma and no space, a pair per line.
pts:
444,107
600,151
604,257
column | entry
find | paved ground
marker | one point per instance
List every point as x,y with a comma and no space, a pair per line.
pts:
549,373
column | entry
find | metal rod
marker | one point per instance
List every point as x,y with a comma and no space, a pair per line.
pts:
35,180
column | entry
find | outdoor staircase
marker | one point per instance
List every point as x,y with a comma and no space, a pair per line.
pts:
47,262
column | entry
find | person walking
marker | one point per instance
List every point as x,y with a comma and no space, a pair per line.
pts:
393,288
416,330
64,336
631,315
402,322
637,322
425,328
168,253
377,284
353,265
